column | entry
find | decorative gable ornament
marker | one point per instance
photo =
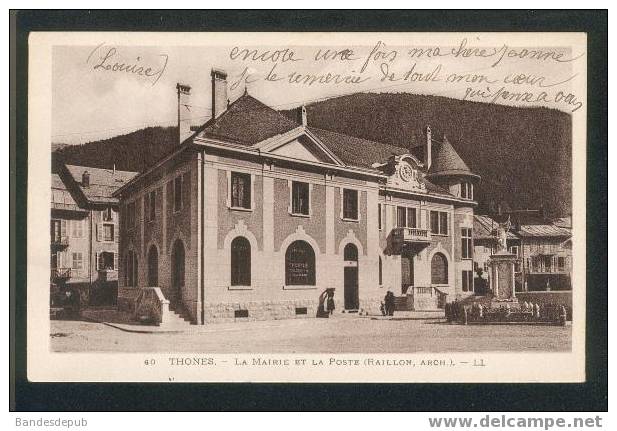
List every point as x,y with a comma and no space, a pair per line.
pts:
405,172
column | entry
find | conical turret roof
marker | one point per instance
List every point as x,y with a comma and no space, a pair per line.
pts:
446,161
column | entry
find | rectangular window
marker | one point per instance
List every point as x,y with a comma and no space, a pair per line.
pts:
443,223
514,250
241,313
152,205
467,190
58,230
77,230
107,214
108,232
178,193
561,263
240,190
300,196
379,217
439,222
411,217
78,261
401,216
350,204
106,261
406,217
467,281
466,244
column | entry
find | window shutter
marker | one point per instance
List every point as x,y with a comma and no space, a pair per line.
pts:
96,260
63,229
115,261
99,232
116,234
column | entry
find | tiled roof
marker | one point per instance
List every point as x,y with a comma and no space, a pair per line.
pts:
355,151
564,222
446,161
542,231
483,227
247,121
362,153
103,182
61,198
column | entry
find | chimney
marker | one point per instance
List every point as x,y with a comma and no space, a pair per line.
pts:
114,169
429,148
184,110
301,115
85,179
219,92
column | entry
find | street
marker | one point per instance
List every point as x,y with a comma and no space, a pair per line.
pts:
336,335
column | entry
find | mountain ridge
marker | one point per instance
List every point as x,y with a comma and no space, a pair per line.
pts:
522,154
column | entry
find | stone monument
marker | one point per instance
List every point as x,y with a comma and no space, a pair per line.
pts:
502,270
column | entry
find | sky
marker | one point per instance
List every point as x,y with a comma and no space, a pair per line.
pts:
90,102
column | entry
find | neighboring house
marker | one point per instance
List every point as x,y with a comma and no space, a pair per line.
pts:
255,215
544,252
84,231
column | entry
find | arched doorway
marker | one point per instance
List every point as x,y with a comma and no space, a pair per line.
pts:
350,270
153,266
439,269
177,271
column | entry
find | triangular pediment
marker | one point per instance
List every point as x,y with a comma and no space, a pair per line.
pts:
299,144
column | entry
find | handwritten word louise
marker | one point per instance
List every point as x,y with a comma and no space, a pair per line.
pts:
111,61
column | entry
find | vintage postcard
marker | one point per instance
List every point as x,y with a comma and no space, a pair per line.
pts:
307,207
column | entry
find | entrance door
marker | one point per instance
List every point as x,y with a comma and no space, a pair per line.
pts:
406,271
352,299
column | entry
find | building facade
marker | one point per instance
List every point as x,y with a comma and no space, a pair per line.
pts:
84,231
255,215
543,249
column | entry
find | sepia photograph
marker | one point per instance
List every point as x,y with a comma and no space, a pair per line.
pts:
383,203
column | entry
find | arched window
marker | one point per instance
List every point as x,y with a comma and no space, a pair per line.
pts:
350,252
153,266
439,269
380,272
177,269
240,262
299,264
130,269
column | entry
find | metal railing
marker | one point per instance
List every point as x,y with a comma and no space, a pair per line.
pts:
411,234
60,241
60,273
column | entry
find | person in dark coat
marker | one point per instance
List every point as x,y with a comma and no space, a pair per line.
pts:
389,303
330,301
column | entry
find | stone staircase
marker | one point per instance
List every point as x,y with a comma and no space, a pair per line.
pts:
177,317
420,299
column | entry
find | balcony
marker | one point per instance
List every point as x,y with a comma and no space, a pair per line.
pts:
410,236
60,274
59,241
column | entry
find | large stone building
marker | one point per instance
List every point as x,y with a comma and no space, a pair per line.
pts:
84,231
255,215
